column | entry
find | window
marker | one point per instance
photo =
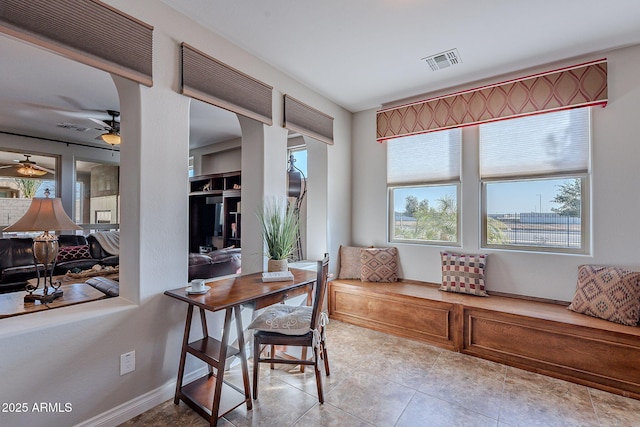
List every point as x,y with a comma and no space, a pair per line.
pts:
17,189
534,174
300,157
97,195
423,180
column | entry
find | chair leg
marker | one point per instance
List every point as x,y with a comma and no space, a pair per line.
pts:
325,357
256,367
273,354
318,377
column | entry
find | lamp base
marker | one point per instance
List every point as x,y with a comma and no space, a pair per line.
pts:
40,296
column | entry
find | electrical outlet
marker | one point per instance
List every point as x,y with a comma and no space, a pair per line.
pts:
127,362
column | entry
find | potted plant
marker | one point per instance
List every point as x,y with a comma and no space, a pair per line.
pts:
279,226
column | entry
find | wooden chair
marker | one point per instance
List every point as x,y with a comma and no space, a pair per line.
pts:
281,324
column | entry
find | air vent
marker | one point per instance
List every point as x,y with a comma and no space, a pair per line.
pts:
443,60
71,126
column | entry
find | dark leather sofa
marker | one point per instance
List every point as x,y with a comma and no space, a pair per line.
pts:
217,263
17,264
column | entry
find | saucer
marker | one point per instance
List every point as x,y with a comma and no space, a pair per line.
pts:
204,291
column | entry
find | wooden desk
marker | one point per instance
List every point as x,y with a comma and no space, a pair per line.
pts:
12,304
210,396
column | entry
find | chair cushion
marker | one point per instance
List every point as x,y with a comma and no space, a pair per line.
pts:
284,319
610,293
379,264
463,273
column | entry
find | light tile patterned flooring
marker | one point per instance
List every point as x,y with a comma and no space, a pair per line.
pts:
381,380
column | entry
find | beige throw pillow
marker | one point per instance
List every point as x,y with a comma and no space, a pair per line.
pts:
349,262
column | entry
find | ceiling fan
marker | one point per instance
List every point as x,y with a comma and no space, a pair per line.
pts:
112,128
28,167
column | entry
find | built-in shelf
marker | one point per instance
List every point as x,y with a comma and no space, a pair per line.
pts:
214,205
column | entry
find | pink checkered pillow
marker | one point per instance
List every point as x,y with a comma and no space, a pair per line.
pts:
463,273
69,253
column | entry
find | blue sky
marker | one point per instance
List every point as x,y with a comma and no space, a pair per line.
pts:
516,197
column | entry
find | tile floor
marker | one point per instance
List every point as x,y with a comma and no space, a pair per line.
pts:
381,380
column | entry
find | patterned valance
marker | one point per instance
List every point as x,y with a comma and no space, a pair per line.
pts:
578,86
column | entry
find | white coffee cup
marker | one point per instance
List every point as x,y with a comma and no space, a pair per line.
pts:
197,285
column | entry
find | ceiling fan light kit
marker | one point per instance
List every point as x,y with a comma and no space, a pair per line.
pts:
111,138
28,167
29,170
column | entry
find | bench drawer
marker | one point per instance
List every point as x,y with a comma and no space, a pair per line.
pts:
424,320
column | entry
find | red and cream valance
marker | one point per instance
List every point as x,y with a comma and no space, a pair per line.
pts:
577,86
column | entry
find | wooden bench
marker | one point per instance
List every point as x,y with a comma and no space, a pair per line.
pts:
538,336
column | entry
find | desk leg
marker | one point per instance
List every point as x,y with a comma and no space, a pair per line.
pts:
215,409
205,332
183,354
243,357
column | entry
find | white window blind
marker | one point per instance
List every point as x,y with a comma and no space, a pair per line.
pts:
537,145
428,157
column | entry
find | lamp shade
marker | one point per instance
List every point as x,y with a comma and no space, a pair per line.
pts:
44,214
111,138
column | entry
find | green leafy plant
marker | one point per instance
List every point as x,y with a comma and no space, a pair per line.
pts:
279,226
29,187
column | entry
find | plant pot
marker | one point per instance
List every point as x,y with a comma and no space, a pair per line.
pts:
277,265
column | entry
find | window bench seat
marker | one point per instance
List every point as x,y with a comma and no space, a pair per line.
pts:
538,336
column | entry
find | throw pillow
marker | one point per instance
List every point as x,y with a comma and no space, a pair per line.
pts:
349,262
379,264
284,319
463,273
610,293
69,253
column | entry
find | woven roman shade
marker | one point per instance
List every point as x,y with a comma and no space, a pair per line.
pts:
216,83
86,31
578,86
299,117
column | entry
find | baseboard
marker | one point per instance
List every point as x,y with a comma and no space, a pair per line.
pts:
124,412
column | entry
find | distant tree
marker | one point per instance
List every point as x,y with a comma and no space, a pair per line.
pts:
28,187
410,205
437,223
569,199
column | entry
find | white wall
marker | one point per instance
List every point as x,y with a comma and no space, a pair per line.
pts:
71,355
615,197
225,156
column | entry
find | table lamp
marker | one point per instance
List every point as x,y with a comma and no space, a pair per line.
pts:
45,214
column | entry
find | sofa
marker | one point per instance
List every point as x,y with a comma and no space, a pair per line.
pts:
213,264
201,266
76,253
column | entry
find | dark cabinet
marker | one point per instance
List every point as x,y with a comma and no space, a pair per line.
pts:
214,211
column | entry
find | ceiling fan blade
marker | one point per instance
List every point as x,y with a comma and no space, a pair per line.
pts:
102,123
6,166
51,171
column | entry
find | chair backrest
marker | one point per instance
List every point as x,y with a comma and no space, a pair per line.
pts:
321,287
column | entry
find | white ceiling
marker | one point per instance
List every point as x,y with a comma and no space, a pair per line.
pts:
364,53
359,53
